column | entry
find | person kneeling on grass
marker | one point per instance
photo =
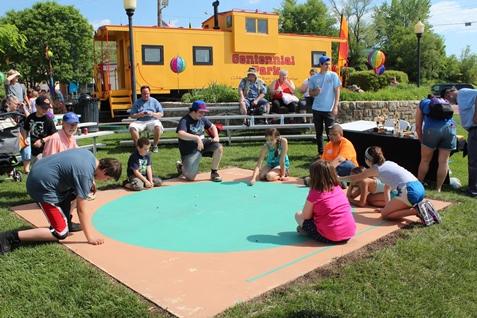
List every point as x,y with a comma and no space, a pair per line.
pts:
193,145
326,216
54,183
409,199
139,171
369,190
275,149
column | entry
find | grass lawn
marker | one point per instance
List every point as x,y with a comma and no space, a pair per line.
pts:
415,272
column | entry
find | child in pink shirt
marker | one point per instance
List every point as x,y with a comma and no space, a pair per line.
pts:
326,216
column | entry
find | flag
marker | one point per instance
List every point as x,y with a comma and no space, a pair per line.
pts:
343,47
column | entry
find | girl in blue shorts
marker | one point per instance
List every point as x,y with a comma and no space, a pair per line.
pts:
409,199
275,149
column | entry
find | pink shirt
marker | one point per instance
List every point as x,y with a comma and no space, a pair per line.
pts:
332,214
59,142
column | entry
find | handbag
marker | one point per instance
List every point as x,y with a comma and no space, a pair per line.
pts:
289,98
210,132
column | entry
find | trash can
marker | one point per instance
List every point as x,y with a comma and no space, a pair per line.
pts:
88,108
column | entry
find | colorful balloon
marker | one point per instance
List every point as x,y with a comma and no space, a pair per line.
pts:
178,64
376,59
380,70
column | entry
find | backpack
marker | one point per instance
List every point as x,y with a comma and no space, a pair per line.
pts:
439,108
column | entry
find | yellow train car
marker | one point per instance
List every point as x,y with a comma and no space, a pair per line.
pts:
221,51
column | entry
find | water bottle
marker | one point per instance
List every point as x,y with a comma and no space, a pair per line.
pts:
252,121
282,120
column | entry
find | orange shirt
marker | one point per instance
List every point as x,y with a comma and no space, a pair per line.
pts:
345,149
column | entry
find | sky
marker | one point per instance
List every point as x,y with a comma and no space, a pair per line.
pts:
448,17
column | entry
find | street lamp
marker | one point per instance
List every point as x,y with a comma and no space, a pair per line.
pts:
419,29
130,7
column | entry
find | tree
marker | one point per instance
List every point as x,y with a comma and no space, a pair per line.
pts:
10,37
395,36
468,66
361,34
68,36
311,17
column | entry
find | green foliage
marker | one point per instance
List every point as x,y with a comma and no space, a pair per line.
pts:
214,93
468,66
369,81
310,17
401,92
10,37
68,36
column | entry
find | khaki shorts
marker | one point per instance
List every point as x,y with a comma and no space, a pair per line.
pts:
149,125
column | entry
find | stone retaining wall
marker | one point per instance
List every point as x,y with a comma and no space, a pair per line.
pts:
348,111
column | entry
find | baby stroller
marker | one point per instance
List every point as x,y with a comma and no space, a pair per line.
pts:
10,145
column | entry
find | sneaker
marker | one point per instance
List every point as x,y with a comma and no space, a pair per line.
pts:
433,212
214,176
422,213
155,149
179,166
301,231
6,240
125,182
74,227
306,181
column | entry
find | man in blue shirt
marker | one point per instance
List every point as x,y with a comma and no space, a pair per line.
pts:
147,111
325,88
466,99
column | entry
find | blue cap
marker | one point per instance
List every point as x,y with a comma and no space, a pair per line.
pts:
200,106
71,118
324,59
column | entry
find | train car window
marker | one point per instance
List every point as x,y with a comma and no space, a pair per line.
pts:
203,55
315,58
251,25
262,26
228,21
152,54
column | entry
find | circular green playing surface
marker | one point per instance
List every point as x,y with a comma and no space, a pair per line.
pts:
206,217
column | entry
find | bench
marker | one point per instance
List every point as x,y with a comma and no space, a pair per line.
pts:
94,146
80,125
229,129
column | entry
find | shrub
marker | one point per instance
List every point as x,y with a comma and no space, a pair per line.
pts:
369,81
401,92
214,93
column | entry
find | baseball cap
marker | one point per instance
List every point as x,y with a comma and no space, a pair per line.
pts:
200,106
43,101
324,59
71,118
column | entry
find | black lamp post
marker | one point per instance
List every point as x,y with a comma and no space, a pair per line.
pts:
419,29
130,7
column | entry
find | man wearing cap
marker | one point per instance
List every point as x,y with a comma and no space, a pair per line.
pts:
193,145
325,88
466,100
252,91
146,110
16,89
64,138
40,127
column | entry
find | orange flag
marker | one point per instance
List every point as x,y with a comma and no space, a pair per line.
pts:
343,47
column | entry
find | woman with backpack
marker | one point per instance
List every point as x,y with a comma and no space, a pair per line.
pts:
436,129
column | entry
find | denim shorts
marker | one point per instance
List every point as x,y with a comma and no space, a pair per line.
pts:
261,105
442,137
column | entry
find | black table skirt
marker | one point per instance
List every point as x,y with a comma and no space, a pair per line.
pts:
404,151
